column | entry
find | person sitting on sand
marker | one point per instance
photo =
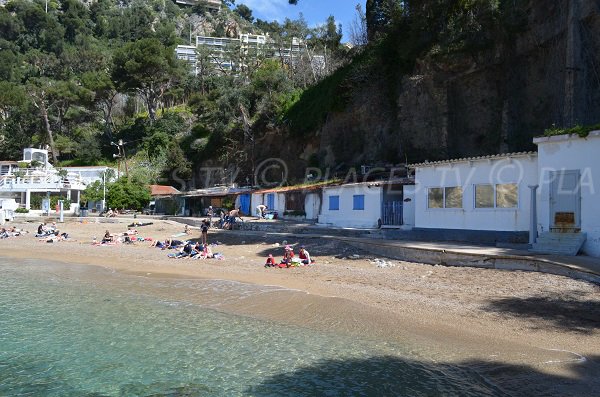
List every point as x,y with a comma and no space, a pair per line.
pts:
288,255
108,238
304,256
270,261
3,233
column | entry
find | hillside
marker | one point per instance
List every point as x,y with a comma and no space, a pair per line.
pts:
437,79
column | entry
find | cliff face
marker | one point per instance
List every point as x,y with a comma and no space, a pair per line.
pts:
478,103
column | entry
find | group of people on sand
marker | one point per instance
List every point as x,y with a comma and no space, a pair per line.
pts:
112,213
10,232
50,233
290,259
128,237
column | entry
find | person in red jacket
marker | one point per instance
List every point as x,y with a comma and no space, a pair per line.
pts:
270,261
304,256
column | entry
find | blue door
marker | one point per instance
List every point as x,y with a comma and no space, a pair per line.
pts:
245,204
271,201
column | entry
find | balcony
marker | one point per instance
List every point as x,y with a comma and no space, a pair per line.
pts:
38,179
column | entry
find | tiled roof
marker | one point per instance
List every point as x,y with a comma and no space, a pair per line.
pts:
282,189
161,190
478,158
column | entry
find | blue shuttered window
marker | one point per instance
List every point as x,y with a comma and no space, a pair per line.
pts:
334,203
358,202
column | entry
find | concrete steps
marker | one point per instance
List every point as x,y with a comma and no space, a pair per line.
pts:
559,243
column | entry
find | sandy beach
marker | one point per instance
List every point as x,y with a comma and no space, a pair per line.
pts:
535,323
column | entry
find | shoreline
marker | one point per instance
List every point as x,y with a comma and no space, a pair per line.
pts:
443,309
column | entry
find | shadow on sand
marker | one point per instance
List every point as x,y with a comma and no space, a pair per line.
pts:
392,376
574,313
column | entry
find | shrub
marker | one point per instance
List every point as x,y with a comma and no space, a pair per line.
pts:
21,210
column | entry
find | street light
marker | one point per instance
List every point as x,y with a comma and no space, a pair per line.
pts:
104,190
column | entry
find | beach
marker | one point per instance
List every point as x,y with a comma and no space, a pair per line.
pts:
538,326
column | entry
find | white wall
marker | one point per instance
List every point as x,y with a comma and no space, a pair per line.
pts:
573,153
261,198
520,169
346,216
408,206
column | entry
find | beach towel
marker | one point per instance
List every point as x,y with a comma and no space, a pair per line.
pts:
178,234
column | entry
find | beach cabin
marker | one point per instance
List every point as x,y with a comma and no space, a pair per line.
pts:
483,199
568,206
353,205
165,200
291,202
196,202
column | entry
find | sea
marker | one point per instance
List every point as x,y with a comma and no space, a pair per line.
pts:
84,331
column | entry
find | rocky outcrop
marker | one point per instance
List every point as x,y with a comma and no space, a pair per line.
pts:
468,104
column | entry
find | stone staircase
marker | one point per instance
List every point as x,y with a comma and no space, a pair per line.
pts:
559,243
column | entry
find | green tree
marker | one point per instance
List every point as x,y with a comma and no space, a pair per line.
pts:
244,12
147,68
128,194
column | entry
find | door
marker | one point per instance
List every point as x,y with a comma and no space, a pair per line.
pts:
271,201
245,204
392,213
565,199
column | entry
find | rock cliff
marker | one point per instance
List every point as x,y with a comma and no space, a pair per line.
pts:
468,104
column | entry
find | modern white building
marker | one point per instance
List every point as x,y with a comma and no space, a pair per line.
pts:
488,193
188,53
232,53
35,176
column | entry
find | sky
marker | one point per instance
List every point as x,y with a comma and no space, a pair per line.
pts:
315,11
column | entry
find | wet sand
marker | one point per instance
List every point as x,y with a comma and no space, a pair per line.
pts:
537,323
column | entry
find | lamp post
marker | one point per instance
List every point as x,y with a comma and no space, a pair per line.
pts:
103,191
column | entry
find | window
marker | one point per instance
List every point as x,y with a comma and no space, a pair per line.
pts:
497,196
446,197
484,196
435,197
507,195
453,197
358,202
334,203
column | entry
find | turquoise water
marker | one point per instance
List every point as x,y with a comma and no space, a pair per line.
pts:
81,331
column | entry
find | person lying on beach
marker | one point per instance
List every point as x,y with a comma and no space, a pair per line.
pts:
160,244
174,244
185,251
56,237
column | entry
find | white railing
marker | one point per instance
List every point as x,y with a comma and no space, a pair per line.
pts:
33,176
